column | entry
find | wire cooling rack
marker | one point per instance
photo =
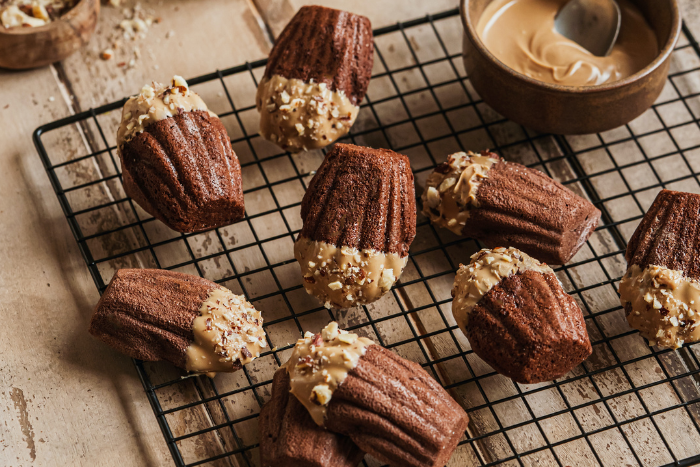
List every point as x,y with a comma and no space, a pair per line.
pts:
628,404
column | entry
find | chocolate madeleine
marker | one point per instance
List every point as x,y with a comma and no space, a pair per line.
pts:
177,159
289,437
315,79
390,407
359,219
197,325
517,317
661,289
504,203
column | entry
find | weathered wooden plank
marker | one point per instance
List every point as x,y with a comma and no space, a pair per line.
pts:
132,436
66,399
188,40
276,13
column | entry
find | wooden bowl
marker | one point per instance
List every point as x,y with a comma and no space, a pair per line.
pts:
23,48
552,108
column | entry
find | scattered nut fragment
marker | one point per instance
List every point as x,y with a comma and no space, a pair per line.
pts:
447,184
39,11
134,25
139,25
387,279
179,82
433,198
347,338
321,394
330,332
309,279
148,92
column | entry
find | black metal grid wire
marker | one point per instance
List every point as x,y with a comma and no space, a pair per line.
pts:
425,120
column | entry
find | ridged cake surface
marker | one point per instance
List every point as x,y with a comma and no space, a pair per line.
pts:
148,313
361,198
669,234
290,438
524,208
505,203
392,409
327,46
359,219
527,328
661,288
316,77
152,314
183,171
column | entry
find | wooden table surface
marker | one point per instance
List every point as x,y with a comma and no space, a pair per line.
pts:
65,398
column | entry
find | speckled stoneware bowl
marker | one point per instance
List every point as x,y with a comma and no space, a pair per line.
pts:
552,108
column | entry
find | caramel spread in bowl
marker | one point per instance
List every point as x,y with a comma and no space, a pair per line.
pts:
521,34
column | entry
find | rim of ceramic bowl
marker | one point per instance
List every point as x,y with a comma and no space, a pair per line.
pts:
20,31
663,55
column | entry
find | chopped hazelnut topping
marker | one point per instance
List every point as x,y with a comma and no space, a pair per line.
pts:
227,334
321,394
345,277
660,302
387,279
179,82
320,363
330,332
486,269
452,187
302,115
347,338
157,102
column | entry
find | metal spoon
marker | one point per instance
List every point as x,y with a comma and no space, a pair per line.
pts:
593,24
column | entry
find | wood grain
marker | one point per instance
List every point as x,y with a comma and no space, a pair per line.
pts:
189,38
65,399
277,13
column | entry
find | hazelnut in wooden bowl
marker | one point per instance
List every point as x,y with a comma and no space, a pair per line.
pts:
34,34
530,74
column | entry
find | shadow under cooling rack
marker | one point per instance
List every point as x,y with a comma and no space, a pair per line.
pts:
628,404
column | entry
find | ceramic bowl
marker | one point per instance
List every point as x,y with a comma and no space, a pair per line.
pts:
551,108
24,48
